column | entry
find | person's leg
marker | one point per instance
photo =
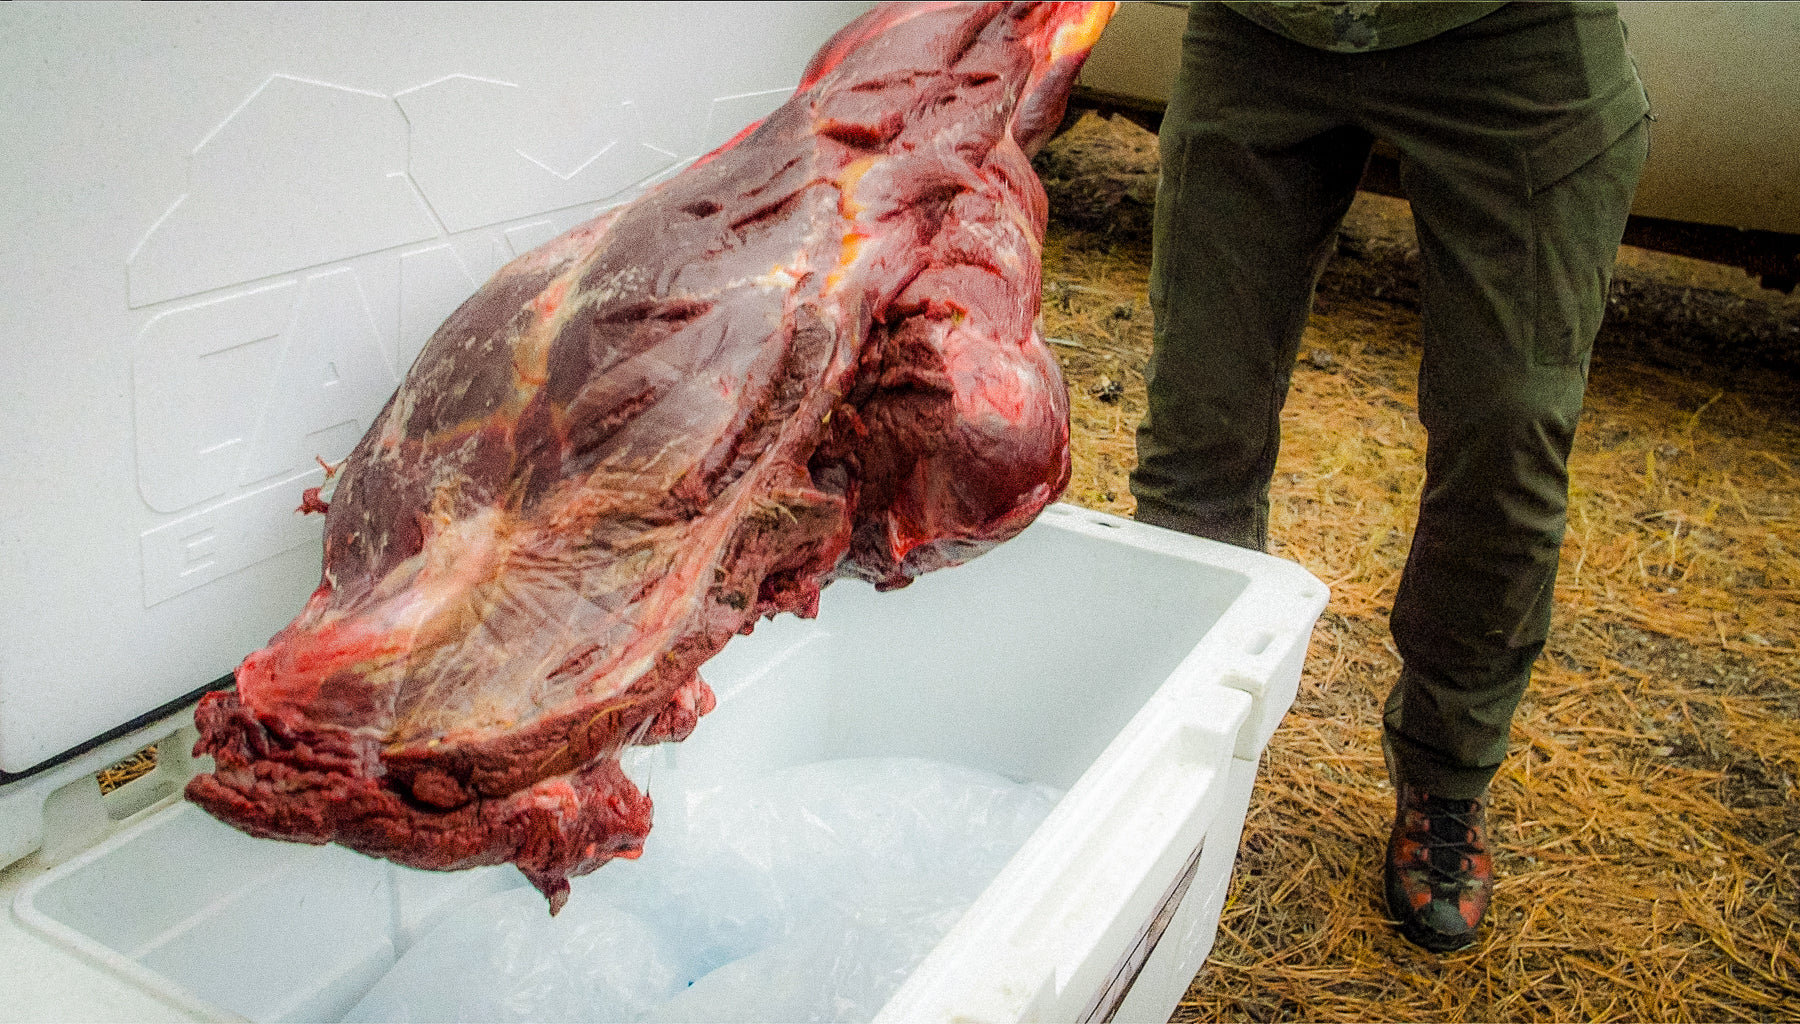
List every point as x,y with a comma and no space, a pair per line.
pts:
1473,609
1517,252
1256,176
1519,221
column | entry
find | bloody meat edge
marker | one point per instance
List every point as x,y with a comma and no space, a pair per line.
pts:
811,355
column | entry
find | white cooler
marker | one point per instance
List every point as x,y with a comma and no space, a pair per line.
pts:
228,230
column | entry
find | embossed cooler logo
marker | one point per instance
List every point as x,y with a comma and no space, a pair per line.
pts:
325,232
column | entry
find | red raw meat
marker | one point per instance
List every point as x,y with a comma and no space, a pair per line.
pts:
811,355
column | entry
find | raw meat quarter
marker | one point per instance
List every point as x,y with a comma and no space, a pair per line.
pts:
811,355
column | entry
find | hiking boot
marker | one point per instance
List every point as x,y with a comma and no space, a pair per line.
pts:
1439,872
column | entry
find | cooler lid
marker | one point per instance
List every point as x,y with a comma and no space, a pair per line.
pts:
229,230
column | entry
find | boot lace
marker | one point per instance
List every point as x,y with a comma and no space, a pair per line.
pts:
1450,824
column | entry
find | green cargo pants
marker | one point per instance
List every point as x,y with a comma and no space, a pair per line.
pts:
1521,137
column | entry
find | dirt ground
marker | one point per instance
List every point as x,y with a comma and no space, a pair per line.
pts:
1645,823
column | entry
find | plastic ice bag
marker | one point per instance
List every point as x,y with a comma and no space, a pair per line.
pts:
843,964
749,861
505,959
803,894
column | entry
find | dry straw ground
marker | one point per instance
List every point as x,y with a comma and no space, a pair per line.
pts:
1645,821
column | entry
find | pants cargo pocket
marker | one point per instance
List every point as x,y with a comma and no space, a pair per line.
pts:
1577,221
